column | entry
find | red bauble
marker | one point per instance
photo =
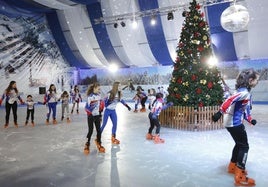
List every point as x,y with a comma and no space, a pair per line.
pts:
200,104
178,96
210,85
179,81
193,77
200,48
198,90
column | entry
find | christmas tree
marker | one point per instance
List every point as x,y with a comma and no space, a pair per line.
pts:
194,82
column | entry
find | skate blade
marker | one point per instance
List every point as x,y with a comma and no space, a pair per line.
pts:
244,184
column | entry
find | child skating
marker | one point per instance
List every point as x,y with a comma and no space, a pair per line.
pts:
30,110
65,106
237,108
94,108
157,106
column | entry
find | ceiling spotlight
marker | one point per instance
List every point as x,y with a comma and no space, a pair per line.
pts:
134,24
153,20
115,25
123,24
170,16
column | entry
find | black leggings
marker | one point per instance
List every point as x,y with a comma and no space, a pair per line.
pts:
153,122
240,150
14,108
90,121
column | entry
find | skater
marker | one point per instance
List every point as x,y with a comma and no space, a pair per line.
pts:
30,110
140,97
151,97
65,106
76,99
11,95
51,99
236,108
94,108
111,101
157,107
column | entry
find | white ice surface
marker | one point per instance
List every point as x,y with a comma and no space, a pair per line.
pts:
44,156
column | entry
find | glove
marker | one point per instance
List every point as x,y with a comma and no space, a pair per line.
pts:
253,122
170,104
128,107
216,116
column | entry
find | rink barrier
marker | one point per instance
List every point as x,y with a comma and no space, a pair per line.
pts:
190,119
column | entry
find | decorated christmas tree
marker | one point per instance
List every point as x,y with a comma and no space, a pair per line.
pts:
194,81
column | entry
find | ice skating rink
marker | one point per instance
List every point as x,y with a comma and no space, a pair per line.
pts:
48,156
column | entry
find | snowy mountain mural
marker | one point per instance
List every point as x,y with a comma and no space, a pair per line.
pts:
29,54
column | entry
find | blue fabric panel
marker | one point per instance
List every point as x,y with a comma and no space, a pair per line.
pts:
85,2
94,12
27,7
155,34
66,51
222,40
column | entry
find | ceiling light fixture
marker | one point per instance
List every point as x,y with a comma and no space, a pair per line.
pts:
170,16
123,24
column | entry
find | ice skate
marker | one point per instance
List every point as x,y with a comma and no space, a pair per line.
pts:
114,140
77,111
72,111
231,168
33,123
47,121
62,118
26,123
143,109
149,136
68,120
16,125
6,125
99,146
241,179
55,122
135,111
158,140
86,149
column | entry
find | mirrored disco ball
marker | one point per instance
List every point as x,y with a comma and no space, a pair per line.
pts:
235,18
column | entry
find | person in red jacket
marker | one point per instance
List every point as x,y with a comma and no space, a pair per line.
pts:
94,108
11,94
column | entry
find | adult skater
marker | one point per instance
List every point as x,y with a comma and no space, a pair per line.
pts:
140,97
114,97
11,94
51,99
236,108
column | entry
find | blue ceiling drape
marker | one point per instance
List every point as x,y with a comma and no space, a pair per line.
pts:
222,40
155,34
